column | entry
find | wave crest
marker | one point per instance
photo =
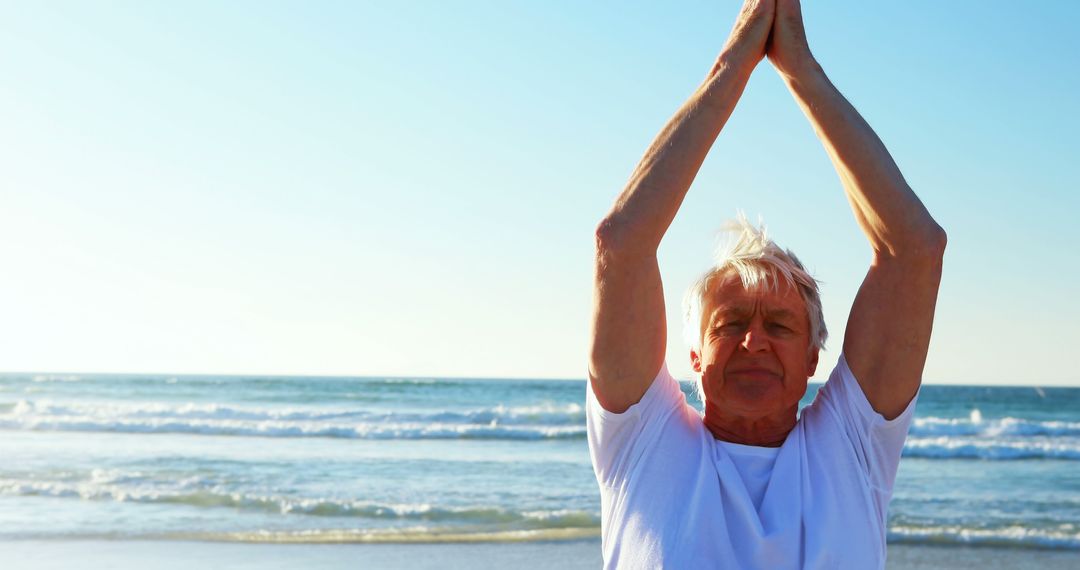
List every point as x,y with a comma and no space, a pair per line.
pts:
538,422
976,448
976,426
1065,537
101,488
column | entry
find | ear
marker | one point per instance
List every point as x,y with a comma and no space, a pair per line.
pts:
695,360
812,362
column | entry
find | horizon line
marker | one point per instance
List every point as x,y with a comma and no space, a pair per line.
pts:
1064,384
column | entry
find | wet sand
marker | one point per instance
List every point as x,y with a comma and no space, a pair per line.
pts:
569,555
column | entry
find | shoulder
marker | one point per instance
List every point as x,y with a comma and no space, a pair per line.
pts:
844,395
841,418
661,419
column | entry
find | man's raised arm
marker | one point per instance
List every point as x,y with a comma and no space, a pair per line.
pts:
888,331
629,330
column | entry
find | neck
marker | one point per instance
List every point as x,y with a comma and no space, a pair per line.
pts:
759,431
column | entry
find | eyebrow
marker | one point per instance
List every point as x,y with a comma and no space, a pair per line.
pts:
742,311
780,314
731,311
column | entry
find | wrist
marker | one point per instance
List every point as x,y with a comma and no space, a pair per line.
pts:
812,89
805,75
723,86
734,64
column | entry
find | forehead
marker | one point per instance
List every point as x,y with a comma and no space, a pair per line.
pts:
728,294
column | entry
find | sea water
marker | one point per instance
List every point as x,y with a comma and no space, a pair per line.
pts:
319,459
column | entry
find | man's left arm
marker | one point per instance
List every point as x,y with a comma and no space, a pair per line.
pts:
888,331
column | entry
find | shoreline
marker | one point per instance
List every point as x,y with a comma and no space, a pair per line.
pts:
48,554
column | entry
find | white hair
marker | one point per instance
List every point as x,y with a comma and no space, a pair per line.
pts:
759,263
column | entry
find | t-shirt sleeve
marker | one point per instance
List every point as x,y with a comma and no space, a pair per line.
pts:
617,441
878,442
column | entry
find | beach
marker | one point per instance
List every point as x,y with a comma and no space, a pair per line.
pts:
571,555
292,285
159,471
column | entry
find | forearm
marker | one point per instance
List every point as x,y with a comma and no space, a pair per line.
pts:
892,216
647,205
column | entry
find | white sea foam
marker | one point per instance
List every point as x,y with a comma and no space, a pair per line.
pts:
55,378
1064,537
932,437
945,447
536,414
410,381
992,428
500,422
295,429
410,535
108,487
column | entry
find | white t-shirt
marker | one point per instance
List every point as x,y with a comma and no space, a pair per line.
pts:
673,496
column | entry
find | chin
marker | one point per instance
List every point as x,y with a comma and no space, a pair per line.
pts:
747,397
763,405
760,396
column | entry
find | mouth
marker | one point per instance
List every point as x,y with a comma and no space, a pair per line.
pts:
757,374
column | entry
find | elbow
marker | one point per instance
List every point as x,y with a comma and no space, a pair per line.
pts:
605,236
611,238
933,246
930,244
925,248
616,238
941,240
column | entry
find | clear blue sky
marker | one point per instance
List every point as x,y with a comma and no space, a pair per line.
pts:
410,188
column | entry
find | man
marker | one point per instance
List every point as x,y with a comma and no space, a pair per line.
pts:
752,484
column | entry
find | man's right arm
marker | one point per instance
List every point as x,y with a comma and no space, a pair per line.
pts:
629,328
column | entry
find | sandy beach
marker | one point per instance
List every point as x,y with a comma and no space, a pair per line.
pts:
570,555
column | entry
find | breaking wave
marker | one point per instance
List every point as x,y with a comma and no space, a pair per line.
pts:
536,422
1065,537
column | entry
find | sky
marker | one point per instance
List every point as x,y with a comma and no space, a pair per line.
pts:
411,188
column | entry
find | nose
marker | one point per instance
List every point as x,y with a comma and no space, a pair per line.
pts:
754,339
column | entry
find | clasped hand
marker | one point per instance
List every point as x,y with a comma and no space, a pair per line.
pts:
773,29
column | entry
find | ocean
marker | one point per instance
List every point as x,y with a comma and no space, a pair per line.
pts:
399,460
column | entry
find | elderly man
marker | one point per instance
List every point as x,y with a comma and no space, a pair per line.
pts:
753,483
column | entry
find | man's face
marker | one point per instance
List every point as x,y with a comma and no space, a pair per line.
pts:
755,358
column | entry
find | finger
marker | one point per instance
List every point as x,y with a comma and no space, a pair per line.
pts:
756,13
789,12
754,22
